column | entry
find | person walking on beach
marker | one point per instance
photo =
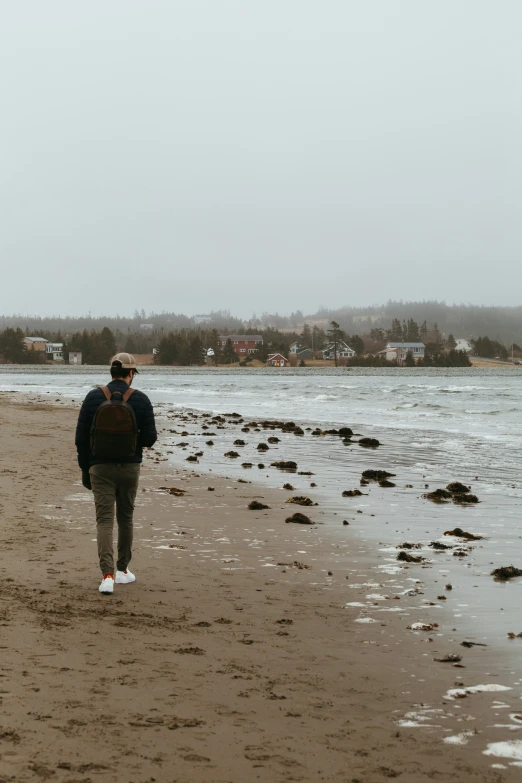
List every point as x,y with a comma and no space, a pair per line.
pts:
114,425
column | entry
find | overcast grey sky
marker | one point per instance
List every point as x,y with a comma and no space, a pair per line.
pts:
254,155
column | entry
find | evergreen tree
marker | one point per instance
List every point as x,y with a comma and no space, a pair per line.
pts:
357,343
131,344
229,355
12,346
335,335
196,351
318,338
305,338
451,343
423,331
413,331
409,360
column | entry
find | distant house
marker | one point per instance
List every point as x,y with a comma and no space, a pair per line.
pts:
242,343
54,351
399,351
277,360
343,351
147,327
35,343
463,345
202,318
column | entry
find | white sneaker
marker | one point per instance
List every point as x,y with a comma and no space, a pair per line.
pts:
124,577
107,585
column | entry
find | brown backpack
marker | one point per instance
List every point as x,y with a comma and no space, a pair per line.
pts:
114,431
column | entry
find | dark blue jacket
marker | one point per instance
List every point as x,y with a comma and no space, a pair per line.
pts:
142,408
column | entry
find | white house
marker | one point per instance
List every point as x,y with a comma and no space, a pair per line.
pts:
54,351
399,351
343,351
463,345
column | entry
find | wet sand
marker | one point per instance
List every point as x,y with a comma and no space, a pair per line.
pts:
234,656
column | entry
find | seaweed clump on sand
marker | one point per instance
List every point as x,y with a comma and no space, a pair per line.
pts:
232,454
352,493
459,533
239,442
506,572
386,483
288,486
246,464
300,519
287,465
301,500
263,447
437,545
369,443
174,491
376,475
438,496
406,558
255,505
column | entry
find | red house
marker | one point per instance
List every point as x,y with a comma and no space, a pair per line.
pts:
277,360
242,344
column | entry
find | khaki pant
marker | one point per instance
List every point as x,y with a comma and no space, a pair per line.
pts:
114,484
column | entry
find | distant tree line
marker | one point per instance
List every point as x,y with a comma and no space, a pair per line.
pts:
503,323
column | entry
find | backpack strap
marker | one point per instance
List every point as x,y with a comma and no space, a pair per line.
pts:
128,394
106,392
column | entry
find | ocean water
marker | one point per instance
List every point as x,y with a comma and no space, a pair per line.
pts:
468,421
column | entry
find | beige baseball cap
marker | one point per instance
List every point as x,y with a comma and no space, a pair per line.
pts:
124,360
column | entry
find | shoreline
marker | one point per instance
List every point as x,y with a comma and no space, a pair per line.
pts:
301,706
480,368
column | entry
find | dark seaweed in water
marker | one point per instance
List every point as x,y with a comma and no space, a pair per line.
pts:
457,488
351,493
404,556
465,499
463,534
376,475
232,454
407,545
386,483
439,546
345,432
506,572
285,465
371,443
438,496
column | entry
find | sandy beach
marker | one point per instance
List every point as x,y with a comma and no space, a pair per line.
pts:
244,651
